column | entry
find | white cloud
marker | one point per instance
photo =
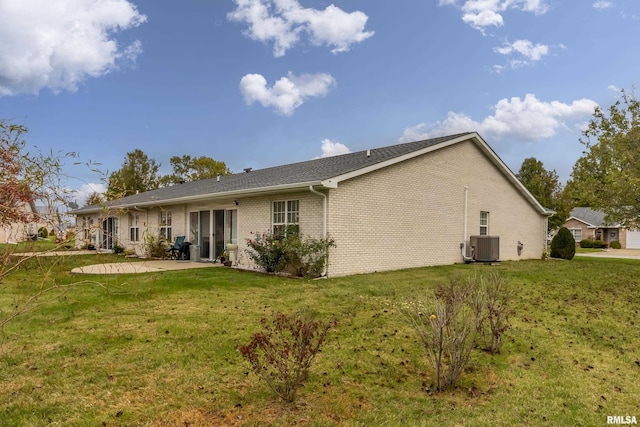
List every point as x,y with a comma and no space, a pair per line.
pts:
524,48
527,119
288,93
603,4
88,189
331,148
283,22
58,44
481,14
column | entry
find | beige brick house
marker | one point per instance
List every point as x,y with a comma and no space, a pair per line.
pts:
407,205
35,218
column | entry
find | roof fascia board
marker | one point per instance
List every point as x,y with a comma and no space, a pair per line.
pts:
497,161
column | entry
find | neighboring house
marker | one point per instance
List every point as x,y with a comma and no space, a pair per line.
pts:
402,206
21,231
587,223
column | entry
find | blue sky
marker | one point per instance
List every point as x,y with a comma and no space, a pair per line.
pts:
257,83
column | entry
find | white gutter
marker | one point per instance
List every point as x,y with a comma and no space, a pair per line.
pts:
324,225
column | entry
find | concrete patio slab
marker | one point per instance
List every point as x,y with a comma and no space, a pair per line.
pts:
141,267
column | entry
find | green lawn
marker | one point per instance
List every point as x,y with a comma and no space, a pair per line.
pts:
160,349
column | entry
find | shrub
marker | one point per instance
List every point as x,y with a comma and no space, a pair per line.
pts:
265,249
615,245
586,243
294,253
154,246
449,322
446,325
305,256
117,248
43,233
283,352
493,309
563,245
599,244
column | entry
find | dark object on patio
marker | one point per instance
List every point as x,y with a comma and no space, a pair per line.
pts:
172,252
183,252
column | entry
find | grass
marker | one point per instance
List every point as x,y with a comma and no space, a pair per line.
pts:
160,349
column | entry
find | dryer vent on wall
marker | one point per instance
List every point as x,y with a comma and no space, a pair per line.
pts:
484,248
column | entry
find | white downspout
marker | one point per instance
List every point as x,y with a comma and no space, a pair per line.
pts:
324,225
465,258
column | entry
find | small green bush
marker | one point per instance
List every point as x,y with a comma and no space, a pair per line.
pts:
117,248
615,245
599,244
292,252
563,245
43,233
586,243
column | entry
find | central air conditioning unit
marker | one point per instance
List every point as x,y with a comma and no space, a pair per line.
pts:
484,248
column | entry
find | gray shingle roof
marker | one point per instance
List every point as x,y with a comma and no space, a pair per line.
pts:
296,173
590,216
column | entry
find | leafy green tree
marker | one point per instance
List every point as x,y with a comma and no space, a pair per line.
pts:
138,174
545,186
94,199
607,176
186,169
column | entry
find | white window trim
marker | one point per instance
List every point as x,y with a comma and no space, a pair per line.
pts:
484,226
134,228
286,213
165,222
573,230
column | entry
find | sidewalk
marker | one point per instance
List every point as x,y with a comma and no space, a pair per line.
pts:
613,253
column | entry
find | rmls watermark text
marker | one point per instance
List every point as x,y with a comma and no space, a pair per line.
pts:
621,419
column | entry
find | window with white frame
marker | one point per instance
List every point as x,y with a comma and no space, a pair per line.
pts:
576,233
165,225
134,229
285,213
484,223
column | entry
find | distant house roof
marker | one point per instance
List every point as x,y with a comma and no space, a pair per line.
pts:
590,217
323,172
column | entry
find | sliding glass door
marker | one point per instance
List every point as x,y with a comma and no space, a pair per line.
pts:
212,230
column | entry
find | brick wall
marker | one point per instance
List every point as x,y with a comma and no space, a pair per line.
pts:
412,214
254,215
